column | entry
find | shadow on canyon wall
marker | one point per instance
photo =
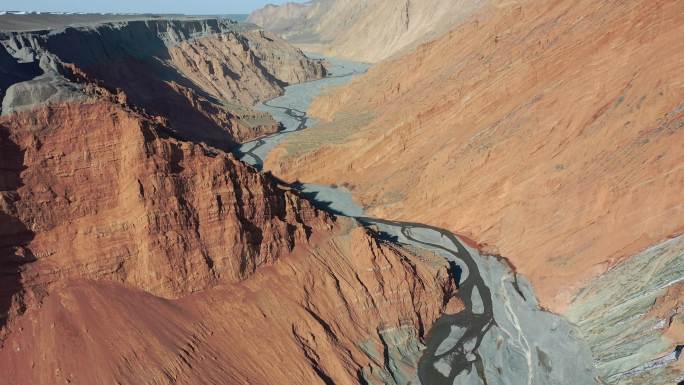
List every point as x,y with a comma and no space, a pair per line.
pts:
456,272
14,234
12,71
313,197
133,60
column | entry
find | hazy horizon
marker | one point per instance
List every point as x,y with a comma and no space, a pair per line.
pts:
203,7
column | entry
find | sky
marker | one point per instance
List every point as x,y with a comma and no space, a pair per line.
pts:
196,7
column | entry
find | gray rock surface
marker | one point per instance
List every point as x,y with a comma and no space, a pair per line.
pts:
45,89
12,71
526,345
110,40
613,316
529,345
401,351
290,109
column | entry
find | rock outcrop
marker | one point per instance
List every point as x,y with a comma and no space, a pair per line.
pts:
175,69
220,65
360,29
107,195
317,316
158,259
547,131
107,216
632,314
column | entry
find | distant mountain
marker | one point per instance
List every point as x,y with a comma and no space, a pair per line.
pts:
367,30
30,21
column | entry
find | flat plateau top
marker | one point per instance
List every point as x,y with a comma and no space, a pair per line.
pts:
23,22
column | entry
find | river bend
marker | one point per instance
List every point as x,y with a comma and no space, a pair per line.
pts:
502,336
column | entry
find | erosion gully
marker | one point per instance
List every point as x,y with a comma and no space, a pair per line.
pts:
502,336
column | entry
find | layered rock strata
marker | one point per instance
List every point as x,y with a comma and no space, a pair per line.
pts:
204,270
157,259
632,317
175,69
316,316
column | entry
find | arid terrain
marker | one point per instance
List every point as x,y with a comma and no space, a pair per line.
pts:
367,31
547,132
345,192
131,241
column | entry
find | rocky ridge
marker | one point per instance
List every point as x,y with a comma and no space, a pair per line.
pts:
173,68
161,259
632,317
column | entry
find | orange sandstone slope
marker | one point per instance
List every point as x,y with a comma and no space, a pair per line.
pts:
158,260
314,316
550,131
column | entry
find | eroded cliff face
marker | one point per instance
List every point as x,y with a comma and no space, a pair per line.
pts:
363,30
159,259
166,216
547,131
245,68
104,214
319,315
201,75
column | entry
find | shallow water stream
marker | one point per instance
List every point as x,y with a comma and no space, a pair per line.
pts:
502,337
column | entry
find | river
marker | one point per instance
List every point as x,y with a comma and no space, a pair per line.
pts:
503,336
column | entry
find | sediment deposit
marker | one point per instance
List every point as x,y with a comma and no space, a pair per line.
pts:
492,332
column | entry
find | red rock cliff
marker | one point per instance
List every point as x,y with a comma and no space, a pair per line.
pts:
130,254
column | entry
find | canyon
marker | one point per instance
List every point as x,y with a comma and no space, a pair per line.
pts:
135,243
497,200
549,134
479,339
202,74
